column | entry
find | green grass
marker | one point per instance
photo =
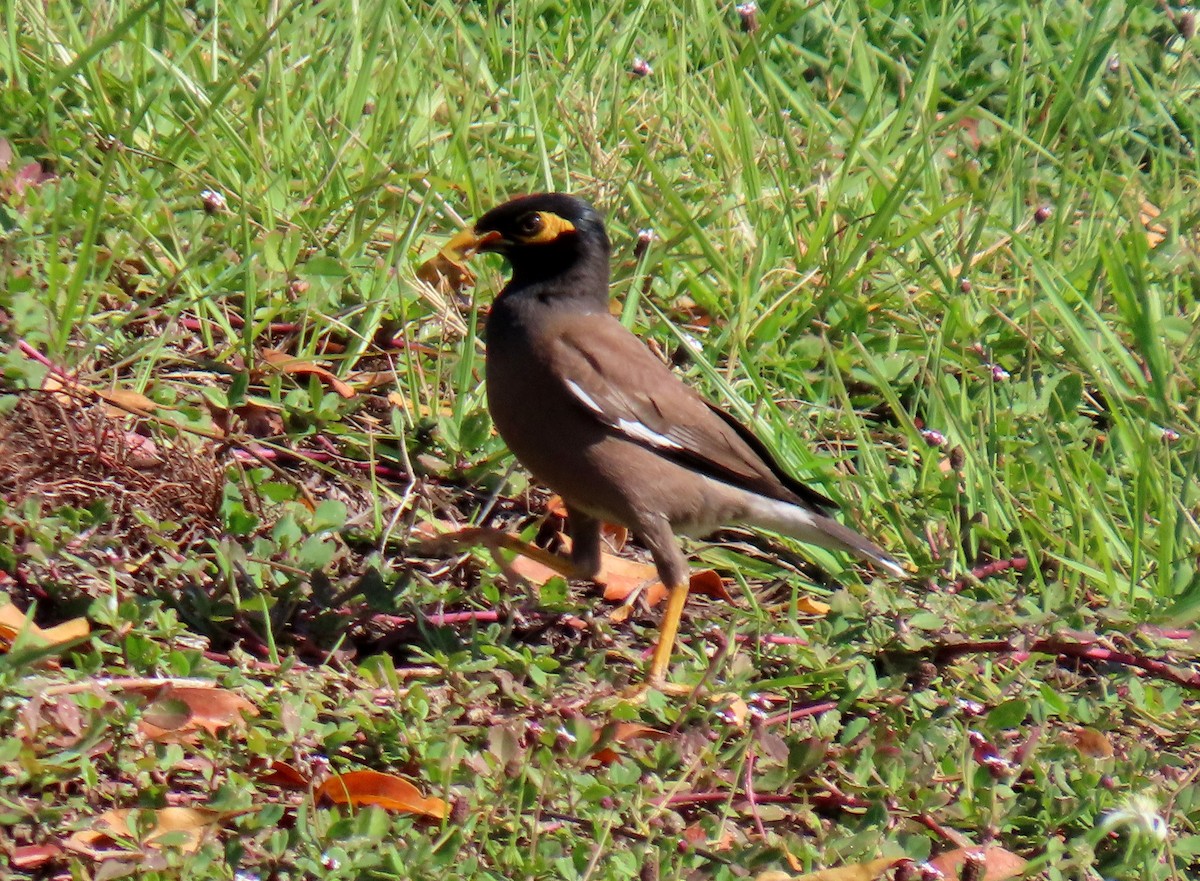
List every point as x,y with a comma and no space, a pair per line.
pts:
896,220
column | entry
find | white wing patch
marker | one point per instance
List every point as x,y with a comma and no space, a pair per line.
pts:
584,397
629,427
637,431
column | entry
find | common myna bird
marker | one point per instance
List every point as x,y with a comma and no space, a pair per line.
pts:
598,418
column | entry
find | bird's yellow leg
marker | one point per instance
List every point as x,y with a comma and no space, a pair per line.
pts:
661,661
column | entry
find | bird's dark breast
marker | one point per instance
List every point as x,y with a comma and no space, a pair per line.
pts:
540,422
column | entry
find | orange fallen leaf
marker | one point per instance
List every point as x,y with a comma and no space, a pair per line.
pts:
14,621
809,606
533,571
708,583
285,363
392,793
999,864
619,576
179,712
425,409
188,824
696,836
622,732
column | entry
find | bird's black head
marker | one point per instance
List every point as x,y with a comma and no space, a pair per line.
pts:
549,237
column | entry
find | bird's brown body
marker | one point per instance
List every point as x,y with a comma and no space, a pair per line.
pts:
585,461
597,417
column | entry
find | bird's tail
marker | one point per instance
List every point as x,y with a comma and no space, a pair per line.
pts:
815,528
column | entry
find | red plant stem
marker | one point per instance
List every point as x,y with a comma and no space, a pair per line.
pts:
237,322
813,709
404,345
252,663
828,799
1068,649
449,619
320,456
34,355
1167,632
987,570
774,639
749,787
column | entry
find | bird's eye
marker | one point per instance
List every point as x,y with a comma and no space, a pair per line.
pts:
531,224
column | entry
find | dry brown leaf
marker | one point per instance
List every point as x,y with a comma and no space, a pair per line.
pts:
190,823
736,709
616,536
999,864
285,363
14,621
392,793
259,419
533,571
284,776
143,452
369,380
125,401
61,389
424,409
446,271
433,530
868,871
1091,742
620,614
329,346
1156,233
33,856
179,713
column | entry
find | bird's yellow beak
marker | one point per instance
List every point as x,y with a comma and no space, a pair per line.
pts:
468,242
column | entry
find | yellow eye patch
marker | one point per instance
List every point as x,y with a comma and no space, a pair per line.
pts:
540,227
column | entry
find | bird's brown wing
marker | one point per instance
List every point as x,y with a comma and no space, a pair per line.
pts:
617,379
